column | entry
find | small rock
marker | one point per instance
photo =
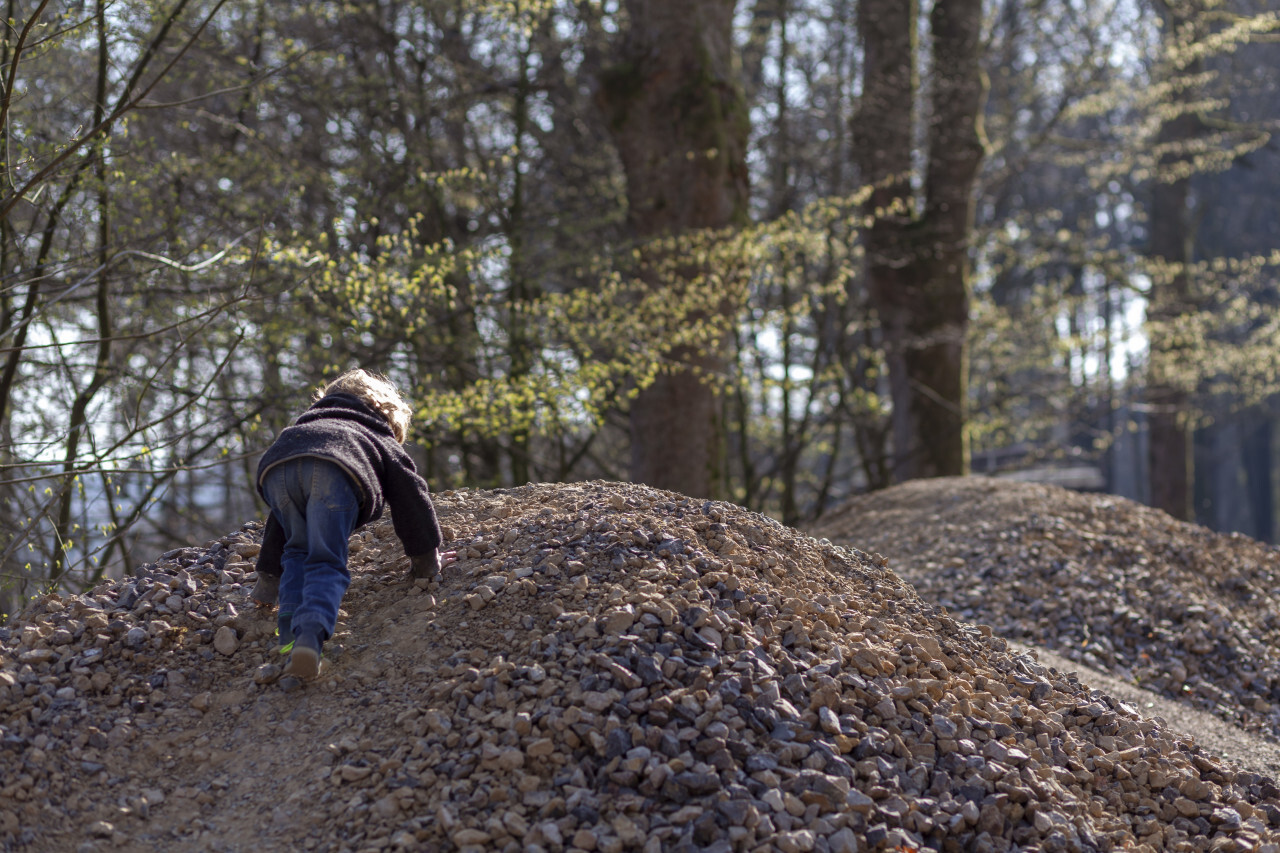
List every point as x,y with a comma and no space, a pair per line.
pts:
387,807
267,673
470,837
1186,808
35,657
354,773
619,621
226,641
799,841
585,839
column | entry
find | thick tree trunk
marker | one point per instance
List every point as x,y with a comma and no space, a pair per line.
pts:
679,123
956,149
1171,465
918,265
882,135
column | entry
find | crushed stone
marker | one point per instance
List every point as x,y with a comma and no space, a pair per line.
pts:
1173,607
607,667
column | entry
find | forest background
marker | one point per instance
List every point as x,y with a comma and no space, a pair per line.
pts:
772,251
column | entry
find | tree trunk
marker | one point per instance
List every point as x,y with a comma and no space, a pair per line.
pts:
918,264
1171,468
679,123
1257,455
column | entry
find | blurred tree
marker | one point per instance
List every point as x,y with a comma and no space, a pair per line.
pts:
1170,418
676,112
1057,242
1191,316
918,264
1235,216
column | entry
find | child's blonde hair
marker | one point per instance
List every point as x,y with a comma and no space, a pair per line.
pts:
378,392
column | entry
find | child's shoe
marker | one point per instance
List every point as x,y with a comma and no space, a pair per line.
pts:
304,658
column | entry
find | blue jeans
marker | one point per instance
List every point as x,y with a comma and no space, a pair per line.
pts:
317,505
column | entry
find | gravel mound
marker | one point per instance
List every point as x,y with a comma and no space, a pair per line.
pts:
607,668
1178,609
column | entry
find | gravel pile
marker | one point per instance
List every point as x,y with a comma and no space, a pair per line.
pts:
607,668
1174,607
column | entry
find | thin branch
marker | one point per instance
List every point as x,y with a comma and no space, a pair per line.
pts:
12,76
100,268
122,108
100,466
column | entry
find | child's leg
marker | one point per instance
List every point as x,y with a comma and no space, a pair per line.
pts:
293,561
333,505
285,494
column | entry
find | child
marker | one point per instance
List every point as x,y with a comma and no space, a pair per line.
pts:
323,477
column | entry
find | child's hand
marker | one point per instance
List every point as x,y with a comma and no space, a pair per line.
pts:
266,591
428,566
425,566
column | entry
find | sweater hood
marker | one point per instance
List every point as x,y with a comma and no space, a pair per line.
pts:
347,407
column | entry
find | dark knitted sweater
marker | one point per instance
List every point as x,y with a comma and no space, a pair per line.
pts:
345,430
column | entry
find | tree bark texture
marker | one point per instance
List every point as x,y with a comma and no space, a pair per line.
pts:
679,123
917,261
1171,468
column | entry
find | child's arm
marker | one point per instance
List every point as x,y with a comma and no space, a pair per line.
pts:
413,515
